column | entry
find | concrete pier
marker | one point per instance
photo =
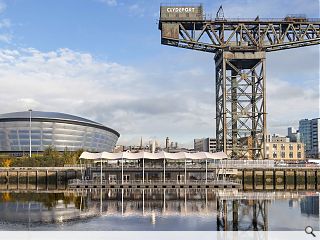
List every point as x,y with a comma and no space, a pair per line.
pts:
275,178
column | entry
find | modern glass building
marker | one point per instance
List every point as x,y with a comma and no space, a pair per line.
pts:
53,129
310,136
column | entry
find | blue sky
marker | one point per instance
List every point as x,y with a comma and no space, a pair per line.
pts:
102,59
116,29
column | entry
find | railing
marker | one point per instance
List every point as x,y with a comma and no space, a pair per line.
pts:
229,165
211,166
77,165
149,182
212,17
37,168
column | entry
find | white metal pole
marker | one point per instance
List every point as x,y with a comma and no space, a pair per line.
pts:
206,200
122,201
143,169
30,110
206,170
164,200
185,170
164,170
143,202
101,201
185,201
216,172
122,171
80,204
81,169
101,171
222,169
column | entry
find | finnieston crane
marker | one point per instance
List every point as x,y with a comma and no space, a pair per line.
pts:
240,47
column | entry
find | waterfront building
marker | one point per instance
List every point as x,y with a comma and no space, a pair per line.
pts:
206,144
152,146
277,138
163,166
173,147
310,135
118,148
58,130
280,148
293,134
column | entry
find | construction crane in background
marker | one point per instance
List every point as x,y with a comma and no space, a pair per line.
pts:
240,47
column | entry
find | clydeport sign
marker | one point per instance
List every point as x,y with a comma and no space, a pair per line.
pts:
180,9
181,12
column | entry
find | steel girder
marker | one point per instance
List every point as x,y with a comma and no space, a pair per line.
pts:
246,35
240,88
240,104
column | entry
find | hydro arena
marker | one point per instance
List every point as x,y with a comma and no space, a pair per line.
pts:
58,130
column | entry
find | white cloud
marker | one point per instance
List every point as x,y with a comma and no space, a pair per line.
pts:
28,103
110,2
5,23
136,10
174,99
119,96
5,37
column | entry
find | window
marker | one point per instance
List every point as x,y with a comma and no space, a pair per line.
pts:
283,154
275,146
291,155
299,146
283,147
290,147
274,155
299,154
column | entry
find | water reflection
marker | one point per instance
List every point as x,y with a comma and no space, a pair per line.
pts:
158,209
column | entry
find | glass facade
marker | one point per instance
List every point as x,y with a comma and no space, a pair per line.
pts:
310,135
61,134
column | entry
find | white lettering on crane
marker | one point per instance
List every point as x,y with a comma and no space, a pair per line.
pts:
180,10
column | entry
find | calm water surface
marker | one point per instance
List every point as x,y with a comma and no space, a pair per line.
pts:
170,209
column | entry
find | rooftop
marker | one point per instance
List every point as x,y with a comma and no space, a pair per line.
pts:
51,116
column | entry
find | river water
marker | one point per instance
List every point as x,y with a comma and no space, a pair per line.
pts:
158,209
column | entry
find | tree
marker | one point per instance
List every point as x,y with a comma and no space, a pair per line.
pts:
68,157
51,157
7,162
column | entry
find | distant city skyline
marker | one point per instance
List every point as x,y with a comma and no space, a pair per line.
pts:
102,60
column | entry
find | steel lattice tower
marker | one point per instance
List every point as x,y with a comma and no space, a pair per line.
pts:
240,48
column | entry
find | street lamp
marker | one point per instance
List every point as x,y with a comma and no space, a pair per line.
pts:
30,111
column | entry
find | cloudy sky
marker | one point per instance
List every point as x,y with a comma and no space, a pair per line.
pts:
102,59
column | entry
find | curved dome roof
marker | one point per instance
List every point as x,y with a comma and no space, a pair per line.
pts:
39,115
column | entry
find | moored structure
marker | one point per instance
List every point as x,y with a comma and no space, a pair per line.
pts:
145,166
166,170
